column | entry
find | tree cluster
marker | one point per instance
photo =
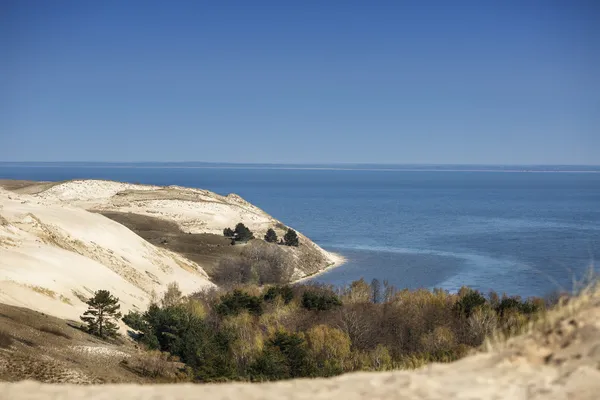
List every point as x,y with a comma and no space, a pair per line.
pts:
281,332
242,233
258,263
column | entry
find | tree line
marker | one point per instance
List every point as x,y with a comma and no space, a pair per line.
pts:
254,333
243,234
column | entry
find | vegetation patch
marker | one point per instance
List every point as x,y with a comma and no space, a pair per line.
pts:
54,330
5,340
277,332
42,290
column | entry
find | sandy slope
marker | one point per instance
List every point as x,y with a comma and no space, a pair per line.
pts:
53,255
194,210
559,359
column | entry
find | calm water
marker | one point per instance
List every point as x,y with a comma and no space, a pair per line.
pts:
520,233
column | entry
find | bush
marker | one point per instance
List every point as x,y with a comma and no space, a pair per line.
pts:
135,320
271,236
515,303
285,292
5,340
228,336
468,302
320,300
291,238
329,349
238,301
156,364
56,331
259,263
228,232
285,356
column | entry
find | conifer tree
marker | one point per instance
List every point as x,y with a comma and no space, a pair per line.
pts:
271,236
291,238
103,308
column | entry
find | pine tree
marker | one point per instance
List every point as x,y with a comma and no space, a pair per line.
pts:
103,308
291,238
242,233
271,236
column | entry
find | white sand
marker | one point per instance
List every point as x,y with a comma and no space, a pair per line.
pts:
52,254
194,210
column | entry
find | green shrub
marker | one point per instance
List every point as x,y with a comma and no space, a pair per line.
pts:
468,302
237,301
285,292
135,320
320,300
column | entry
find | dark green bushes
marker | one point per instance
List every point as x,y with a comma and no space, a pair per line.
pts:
320,300
283,332
238,301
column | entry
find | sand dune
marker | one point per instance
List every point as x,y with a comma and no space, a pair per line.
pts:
54,255
193,210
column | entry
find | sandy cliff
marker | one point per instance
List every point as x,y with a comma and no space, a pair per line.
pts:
193,210
56,247
54,255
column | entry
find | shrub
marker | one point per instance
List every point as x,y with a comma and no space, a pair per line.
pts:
291,238
271,236
135,320
5,340
259,262
320,300
172,295
237,301
358,292
155,364
228,232
284,356
515,303
380,358
440,339
482,322
468,302
329,349
56,331
285,292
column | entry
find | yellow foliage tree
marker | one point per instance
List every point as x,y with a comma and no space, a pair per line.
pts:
329,348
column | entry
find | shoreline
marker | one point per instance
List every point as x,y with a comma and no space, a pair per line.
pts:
337,259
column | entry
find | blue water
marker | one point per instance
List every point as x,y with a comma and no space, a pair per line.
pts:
516,232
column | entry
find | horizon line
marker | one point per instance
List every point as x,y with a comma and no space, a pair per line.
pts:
308,163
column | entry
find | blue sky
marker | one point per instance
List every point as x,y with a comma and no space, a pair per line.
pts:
499,82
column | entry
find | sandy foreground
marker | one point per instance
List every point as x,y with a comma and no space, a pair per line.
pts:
559,359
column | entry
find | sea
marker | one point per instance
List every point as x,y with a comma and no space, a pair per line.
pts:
520,230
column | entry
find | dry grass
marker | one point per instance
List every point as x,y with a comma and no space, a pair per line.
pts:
42,290
80,296
585,292
5,340
54,330
156,364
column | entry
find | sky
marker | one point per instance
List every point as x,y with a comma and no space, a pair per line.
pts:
407,82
